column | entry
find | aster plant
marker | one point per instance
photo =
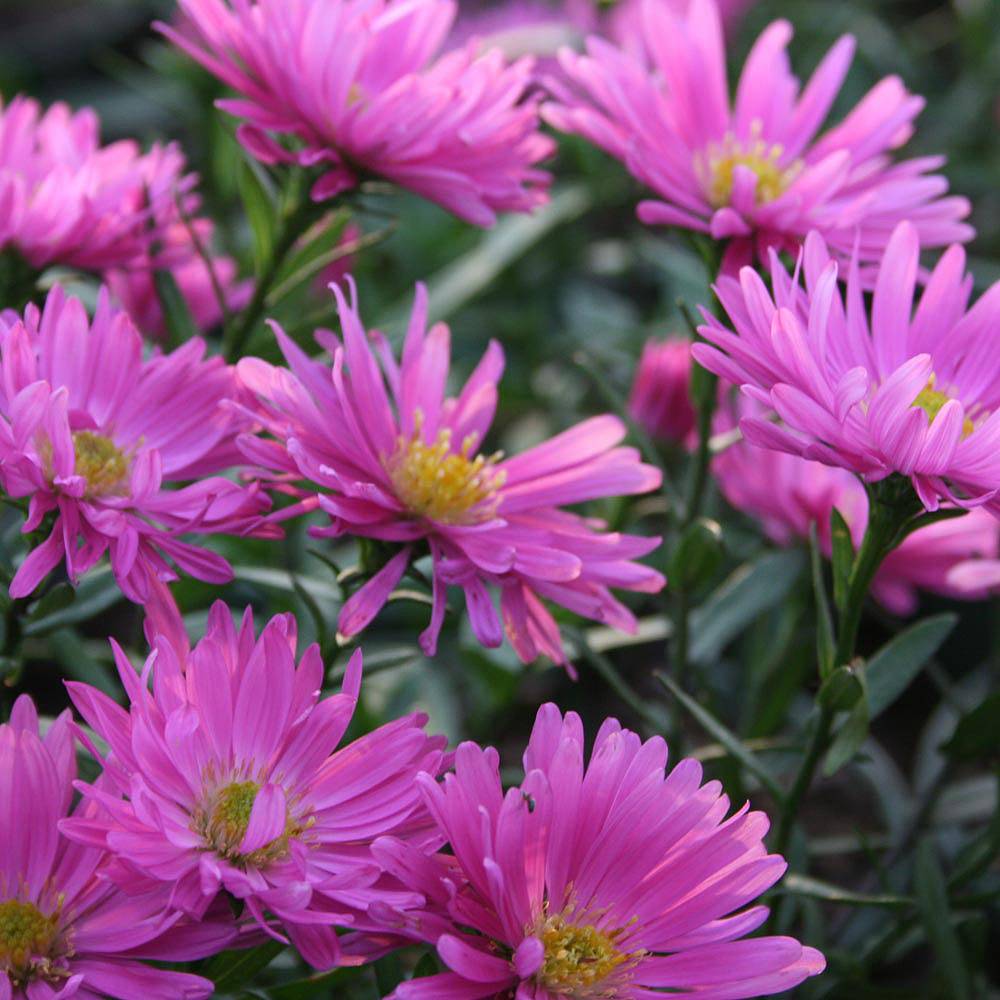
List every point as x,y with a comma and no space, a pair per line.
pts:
290,556
411,470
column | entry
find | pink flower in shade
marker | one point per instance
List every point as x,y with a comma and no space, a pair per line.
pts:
91,433
590,882
912,392
389,456
754,173
233,781
65,199
210,287
355,90
788,494
661,399
64,930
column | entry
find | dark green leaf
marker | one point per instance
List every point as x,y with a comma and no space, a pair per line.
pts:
261,213
932,900
61,596
232,969
849,738
842,689
842,558
177,318
891,670
977,735
814,888
697,555
744,596
724,736
313,986
97,592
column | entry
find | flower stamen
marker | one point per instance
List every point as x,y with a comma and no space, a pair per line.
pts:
101,462
223,822
441,484
717,165
932,401
584,961
27,940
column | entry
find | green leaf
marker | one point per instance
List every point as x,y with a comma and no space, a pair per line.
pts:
932,901
261,211
506,242
312,986
842,689
825,644
697,555
181,327
723,736
842,557
750,591
232,969
849,738
892,669
977,735
61,596
97,592
814,888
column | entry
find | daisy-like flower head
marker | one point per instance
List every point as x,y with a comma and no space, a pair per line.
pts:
788,494
592,881
661,391
232,780
754,172
389,456
66,199
64,930
913,392
353,86
91,433
208,284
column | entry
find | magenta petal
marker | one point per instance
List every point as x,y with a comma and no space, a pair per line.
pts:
267,819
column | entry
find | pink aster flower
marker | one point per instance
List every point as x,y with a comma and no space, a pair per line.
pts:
209,286
788,494
608,879
661,399
64,930
354,88
232,781
754,172
91,433
389,456
65,199
913,392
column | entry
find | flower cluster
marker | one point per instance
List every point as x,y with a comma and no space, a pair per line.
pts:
754,174
91,433
67,200
410,470
356,89
910,392
208,788
958,558
65,930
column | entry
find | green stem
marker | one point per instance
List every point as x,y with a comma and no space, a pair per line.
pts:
887,516
293,223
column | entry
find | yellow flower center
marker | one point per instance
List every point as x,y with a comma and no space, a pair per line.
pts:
716,168
99,460
932,401
223,823
27,940
584,962
433,481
